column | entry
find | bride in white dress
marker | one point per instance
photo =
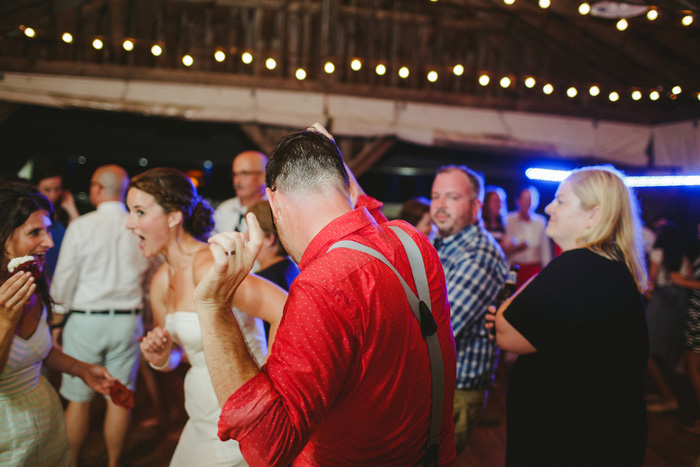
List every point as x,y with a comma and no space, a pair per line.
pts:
171,219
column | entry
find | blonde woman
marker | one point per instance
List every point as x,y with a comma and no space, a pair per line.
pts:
575,393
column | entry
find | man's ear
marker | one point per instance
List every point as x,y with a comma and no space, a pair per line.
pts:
354,193
274,202
174,218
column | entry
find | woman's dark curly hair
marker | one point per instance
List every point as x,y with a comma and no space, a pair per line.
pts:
174,191
18,201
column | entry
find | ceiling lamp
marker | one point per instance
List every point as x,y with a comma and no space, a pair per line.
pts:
505,82
652,14
676,90
530,82
613,10
156,50
544,4
571,92
594,90
329,67
687,20
270,63
654,95
484,80
247,58
300,74
458,70
584,8
67,37
403,72
356,64
622,24
548,89
380,69
432,76
219,56
29,32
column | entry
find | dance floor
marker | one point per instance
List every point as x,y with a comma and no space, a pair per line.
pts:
151,441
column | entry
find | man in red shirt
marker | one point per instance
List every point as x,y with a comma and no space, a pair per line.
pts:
348,378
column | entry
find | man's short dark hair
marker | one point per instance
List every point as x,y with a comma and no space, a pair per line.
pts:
306,161
476,179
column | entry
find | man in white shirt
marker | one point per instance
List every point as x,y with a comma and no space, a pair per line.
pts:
249,182
98,280
525,228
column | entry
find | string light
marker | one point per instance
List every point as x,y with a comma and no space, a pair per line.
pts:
622,24
219,55
300,74
652,14
687,20
509,2
544,4
584,9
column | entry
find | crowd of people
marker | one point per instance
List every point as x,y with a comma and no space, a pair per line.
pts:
318,332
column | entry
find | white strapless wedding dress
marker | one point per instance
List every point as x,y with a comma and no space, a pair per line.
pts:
199,445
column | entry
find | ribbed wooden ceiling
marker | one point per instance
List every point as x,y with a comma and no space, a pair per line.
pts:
556,45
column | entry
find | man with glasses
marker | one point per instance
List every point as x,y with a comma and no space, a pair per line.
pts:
475,271
249,182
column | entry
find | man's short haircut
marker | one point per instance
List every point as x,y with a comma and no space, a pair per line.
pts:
476,179
306,161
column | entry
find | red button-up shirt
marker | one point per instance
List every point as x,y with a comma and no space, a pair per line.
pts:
348,380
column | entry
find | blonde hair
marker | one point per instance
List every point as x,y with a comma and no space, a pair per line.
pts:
617,233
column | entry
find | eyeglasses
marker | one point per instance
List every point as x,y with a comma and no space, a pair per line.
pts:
245,173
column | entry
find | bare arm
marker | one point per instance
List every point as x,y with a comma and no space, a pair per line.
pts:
228,359
682,281
94,376
157,345
507,337
14,293
263,299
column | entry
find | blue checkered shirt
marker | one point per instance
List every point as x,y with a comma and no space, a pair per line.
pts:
475,270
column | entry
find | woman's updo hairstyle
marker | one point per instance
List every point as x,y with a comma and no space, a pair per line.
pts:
174,191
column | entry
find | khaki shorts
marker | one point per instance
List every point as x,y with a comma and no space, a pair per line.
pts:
468,404
107,340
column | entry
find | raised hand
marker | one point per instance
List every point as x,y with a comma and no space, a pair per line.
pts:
233,259
156,346
14,293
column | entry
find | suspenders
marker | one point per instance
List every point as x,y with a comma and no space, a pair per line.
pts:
421,307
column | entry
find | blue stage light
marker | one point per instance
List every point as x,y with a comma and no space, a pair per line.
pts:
642,181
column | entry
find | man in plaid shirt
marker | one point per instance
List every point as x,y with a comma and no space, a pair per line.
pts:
475,271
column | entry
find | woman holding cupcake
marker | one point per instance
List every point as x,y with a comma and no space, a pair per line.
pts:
33,428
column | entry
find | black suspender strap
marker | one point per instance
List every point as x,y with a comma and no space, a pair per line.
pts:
421,306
